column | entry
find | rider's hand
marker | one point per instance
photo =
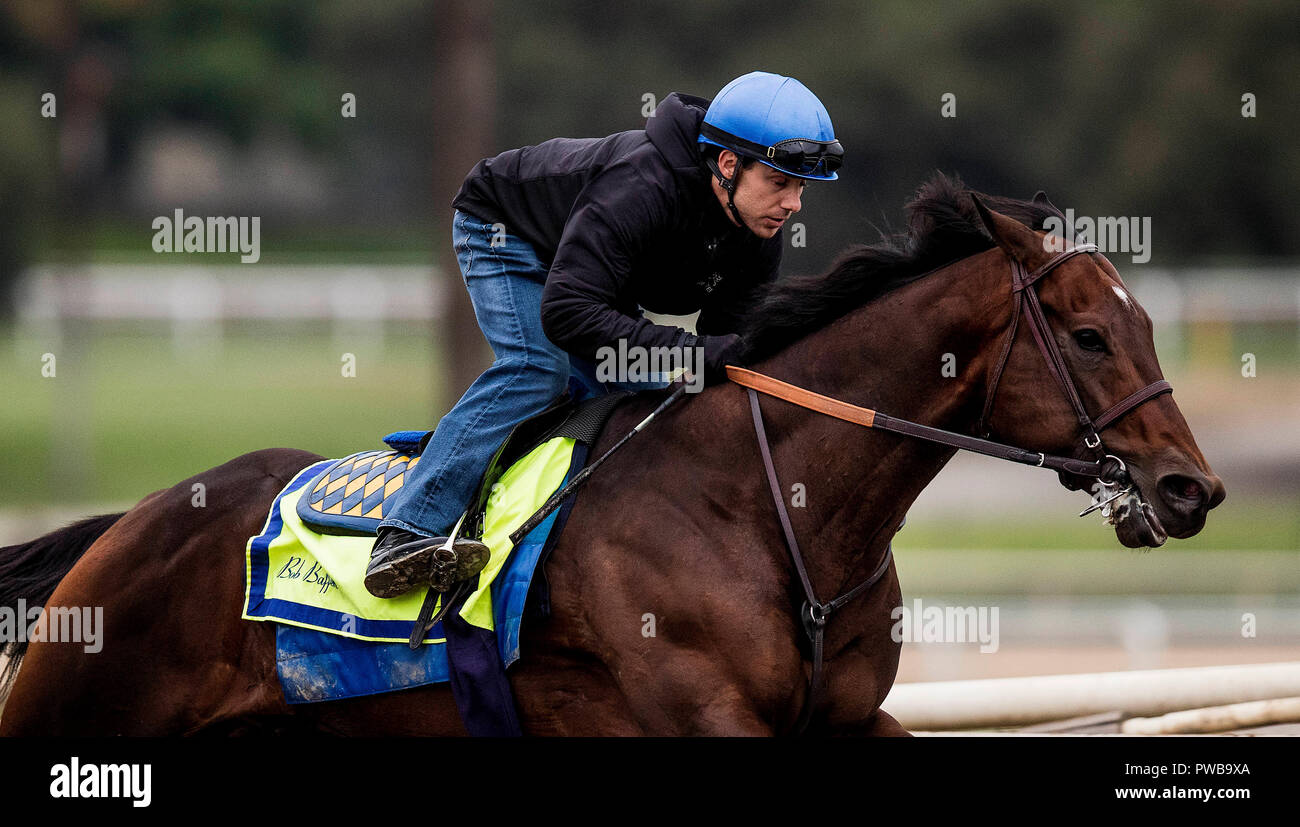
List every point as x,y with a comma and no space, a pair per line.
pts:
718,352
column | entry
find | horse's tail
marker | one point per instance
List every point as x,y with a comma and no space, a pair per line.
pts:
30,571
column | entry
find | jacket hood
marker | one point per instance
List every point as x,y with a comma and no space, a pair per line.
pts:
674,129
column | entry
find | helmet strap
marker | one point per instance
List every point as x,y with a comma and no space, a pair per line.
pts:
728,184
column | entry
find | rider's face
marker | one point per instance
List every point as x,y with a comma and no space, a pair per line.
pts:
765,197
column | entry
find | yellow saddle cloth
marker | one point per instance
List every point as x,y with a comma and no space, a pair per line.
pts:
298,575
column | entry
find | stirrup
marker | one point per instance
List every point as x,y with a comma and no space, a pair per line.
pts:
451,573
452,564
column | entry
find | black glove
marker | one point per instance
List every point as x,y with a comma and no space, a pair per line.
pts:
718,352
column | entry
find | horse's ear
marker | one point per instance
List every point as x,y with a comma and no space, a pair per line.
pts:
1017,240
1040,198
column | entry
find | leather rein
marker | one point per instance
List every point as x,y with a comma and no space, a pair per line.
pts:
1107,467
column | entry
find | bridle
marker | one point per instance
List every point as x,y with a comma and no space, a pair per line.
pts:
1026,298
1109,469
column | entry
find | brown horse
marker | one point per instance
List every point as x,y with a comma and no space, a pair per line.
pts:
678,525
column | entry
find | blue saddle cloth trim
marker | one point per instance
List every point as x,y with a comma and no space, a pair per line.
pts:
318,666
408,442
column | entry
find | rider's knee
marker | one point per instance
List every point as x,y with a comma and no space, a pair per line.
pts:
536,372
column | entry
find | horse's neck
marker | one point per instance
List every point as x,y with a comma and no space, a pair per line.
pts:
902,355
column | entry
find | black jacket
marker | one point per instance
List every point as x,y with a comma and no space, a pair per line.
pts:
622,222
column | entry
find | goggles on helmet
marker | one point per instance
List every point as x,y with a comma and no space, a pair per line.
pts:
797,156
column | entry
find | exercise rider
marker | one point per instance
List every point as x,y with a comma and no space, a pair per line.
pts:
562,245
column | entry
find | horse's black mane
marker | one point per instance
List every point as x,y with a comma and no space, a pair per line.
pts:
942,227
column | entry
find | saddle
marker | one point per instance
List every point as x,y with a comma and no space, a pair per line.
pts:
352,495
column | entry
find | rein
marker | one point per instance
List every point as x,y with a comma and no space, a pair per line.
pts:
814,613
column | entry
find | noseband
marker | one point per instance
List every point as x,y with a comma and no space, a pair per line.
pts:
814,613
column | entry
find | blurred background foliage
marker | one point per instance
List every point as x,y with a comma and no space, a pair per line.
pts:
1113,108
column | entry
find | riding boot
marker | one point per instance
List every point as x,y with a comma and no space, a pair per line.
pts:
402,560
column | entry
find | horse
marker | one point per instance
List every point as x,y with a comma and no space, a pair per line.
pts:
678,529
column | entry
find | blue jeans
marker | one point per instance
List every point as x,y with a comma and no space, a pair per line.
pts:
528,374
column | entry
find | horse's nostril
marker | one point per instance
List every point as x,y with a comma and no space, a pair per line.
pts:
1183,492
1217,492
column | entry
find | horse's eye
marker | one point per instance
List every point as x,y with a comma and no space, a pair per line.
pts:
1089,339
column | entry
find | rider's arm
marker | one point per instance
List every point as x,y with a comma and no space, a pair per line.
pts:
584,306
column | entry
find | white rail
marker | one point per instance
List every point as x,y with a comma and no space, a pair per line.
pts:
942,705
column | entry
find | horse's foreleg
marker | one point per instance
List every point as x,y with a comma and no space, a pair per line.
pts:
557,697
885,725
880,724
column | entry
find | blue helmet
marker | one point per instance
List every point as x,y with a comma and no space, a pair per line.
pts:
777,121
